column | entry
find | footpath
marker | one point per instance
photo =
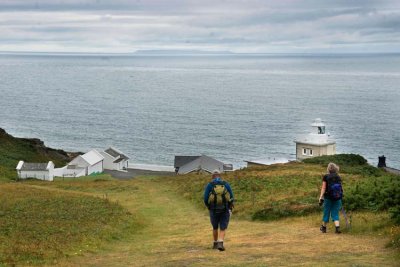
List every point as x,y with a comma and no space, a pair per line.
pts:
176,233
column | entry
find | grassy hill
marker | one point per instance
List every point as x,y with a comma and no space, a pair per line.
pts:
40,226
161,221
281,190
14,149
289,190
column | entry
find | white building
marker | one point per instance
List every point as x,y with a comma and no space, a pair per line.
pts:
317,143
83,165
41,171
114,159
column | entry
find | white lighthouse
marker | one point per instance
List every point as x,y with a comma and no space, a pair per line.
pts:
317,143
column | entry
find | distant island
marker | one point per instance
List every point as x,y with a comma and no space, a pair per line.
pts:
181,52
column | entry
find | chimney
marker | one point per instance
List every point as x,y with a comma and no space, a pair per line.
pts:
382,161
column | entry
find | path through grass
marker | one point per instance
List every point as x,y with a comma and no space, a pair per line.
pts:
176,233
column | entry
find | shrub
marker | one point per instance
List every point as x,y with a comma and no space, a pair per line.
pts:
340,159
375,193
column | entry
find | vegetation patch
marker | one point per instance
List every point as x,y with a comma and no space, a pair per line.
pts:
340,159
102,183
287,190
40,225
14,149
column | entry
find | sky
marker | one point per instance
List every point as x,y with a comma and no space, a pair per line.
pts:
240,26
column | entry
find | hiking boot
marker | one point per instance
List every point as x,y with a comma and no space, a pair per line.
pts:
323,229
337,231
220,246
215,245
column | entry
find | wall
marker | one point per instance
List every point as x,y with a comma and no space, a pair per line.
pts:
41,175
108,161
317,150
98,167
59,172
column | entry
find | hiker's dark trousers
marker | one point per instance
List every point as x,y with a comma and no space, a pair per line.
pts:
219,219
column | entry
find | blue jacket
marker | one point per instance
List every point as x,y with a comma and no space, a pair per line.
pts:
209,187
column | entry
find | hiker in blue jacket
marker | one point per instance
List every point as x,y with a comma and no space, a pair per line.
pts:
218,197
331,197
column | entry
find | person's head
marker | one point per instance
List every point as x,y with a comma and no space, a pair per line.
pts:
332,168
216,173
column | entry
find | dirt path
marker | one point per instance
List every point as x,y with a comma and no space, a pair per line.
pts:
177,234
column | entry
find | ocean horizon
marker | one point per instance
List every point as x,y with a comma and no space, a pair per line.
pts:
232,107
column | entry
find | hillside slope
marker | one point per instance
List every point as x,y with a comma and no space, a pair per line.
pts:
14,149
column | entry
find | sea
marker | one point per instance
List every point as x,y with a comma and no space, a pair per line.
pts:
230,107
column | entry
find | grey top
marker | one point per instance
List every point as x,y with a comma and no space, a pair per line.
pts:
119,160
183,160
34,167
115,153
204,163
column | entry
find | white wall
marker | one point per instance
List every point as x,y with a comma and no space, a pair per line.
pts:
41,175
108,161
59,172
74,172
78,161
98,167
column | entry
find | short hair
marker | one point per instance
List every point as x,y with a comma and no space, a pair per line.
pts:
332,168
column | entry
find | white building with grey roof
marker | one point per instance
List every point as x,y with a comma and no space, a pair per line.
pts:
203,163
86,164
114,159
41,171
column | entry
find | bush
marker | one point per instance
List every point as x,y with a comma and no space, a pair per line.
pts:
340,159
375,193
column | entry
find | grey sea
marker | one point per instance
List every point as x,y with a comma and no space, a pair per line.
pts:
231,107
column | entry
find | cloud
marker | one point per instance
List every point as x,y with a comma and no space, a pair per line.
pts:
240,26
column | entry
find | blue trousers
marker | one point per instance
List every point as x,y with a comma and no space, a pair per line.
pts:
219,220
331,209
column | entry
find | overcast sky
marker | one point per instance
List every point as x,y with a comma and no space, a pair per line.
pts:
230,25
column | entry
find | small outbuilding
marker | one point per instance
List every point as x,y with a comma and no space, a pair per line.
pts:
86,164
114,159
316,143
41,171
203,163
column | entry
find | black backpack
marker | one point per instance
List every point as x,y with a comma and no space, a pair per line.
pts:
334,187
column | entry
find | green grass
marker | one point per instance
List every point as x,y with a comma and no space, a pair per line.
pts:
38,225
177,232
279,191
161,221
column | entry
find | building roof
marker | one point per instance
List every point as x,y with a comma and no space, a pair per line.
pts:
182,160
202,162
92,157
316,139
268,161
30,166
119,160
115,153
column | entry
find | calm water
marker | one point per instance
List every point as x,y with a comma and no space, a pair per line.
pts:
234,108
